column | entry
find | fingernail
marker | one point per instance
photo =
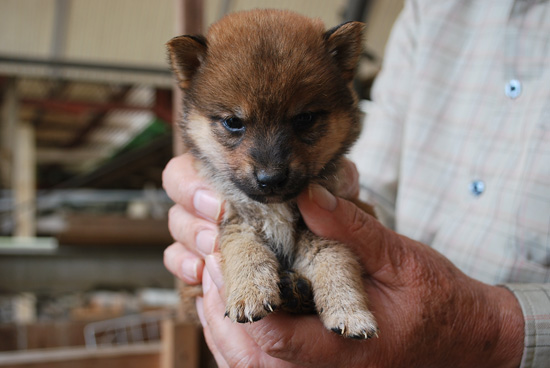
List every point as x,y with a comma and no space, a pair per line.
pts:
190,269
322,197
206,281
207,204
206,241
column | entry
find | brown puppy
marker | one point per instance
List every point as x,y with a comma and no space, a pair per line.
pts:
269,110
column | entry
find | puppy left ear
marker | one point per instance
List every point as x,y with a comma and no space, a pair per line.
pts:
344,43
186,54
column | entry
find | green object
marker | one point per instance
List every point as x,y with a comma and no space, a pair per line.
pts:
155,129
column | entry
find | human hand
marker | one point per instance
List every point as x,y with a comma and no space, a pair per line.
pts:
192,220
429,313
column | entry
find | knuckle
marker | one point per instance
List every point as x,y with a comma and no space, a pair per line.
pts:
178,180
181,226
279,345
359,221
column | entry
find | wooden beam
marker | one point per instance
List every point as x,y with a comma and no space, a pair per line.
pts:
178,340
54,91
80,107
113,230
163,105
24,180
19,161
98,118
191,16
8,120
189,20
135,356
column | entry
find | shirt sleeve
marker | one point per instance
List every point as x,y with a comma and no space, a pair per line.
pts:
378,151
535,303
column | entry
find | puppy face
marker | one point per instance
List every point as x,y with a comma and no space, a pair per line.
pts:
268,105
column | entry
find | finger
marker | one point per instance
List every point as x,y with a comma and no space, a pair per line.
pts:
180,171
196,234
184,186
208,335
335,218
184,264
236,348
213,265
304,341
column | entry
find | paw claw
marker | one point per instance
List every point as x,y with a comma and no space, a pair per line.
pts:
241,319
249,311
358,337
359,326
365,334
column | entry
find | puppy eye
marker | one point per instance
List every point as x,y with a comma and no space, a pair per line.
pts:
304,120
233,124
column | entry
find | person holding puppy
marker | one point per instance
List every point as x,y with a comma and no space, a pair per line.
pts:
455,156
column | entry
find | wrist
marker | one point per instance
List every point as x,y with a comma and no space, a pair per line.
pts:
509,347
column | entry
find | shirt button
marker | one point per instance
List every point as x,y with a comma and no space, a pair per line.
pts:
477,187
513,88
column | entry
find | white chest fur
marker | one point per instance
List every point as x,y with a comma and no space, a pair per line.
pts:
279,226
274,222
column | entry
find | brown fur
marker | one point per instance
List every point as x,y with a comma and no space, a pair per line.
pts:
269,110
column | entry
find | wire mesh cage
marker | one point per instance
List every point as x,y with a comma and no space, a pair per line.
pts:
127,330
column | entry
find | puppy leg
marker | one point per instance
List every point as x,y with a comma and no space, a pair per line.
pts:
338,292
251,274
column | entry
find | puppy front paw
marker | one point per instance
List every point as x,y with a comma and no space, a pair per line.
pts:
350,322
249,303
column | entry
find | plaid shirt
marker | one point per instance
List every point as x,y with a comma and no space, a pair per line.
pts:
455,151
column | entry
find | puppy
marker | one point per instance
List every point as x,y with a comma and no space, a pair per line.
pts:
268,110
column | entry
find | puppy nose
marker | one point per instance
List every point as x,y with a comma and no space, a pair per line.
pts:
271,178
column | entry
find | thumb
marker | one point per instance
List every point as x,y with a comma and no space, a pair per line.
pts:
338,219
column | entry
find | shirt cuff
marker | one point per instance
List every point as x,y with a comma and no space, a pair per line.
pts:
535,303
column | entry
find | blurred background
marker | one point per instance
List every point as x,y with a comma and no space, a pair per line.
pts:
86,127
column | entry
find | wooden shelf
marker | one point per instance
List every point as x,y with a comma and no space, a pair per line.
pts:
136,356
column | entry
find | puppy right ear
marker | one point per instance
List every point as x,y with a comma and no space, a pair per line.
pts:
344,44
186,54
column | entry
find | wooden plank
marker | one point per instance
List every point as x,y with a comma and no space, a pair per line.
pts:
110,230
181,345
44,335
41,335
8,337
135,356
